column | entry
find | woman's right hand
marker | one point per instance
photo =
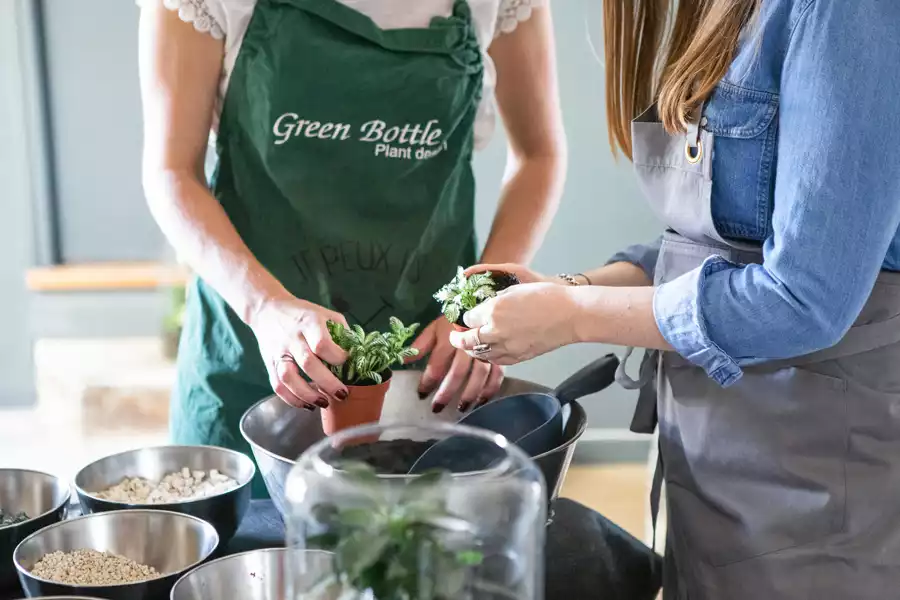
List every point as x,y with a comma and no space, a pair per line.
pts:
293,336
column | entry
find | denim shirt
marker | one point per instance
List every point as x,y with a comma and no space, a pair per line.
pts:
806,163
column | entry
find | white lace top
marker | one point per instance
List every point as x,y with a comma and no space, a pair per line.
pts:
228,20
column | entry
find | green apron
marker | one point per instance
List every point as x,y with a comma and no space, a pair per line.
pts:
344,162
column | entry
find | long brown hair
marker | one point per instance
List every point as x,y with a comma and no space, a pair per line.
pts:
675,56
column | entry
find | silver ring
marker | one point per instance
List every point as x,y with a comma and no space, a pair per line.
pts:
477,335
481,349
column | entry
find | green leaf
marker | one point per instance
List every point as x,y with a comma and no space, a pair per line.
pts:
452,313
360,550
470,558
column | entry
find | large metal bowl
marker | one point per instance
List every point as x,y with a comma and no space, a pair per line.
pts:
278,433
256,575
169,542
224,511
42,497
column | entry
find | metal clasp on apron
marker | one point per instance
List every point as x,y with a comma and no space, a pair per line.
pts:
694,154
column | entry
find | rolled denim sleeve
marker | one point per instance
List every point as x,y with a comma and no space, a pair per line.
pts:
643,256
836,203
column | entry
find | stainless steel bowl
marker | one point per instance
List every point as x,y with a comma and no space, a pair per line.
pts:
224,511
278,433
256,575
169,542
42,497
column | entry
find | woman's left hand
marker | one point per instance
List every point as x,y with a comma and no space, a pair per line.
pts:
520,323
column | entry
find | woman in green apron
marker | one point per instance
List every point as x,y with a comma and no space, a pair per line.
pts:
768,149
343,188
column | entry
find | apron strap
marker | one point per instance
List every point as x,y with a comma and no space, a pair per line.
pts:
645,412
859,340
655,496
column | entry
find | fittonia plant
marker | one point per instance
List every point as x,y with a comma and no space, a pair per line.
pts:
465,293
371,355
398,547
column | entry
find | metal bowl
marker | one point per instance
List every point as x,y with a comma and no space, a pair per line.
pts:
169,542
43,497
256,575
278,434
224,511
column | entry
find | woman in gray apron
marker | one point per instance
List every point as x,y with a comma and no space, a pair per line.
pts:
774,320
344,186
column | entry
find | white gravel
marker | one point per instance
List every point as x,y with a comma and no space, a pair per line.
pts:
180,486
89,567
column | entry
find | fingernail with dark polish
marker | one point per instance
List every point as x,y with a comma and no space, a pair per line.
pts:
322,403
436,408
464,406
423,395
341,394
309,408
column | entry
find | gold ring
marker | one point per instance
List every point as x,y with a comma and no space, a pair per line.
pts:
692,154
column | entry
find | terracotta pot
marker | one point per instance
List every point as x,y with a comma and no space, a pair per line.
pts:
362,407
459,327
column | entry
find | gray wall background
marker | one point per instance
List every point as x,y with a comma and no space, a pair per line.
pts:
95,115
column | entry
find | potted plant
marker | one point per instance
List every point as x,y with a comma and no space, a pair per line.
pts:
464,293
398,545
366,372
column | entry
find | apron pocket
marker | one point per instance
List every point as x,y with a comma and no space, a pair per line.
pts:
743,165
757,467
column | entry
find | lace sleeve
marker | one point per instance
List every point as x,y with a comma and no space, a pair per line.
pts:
513,12
197,12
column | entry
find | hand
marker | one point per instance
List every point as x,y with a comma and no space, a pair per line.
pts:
524,274
520,323
451,370
292,335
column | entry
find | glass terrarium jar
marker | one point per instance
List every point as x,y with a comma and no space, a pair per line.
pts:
468,526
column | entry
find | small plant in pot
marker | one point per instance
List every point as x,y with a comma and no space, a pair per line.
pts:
366,372
465,292
398,545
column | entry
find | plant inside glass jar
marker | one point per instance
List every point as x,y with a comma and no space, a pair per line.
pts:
397,548
366,372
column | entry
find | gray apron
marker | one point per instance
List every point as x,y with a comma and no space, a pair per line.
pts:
785,485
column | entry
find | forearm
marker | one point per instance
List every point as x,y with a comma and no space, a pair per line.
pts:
618,274
528,203
621,316
197,227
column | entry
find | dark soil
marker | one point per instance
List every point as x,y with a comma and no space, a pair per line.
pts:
504,280
501,282
392,457
11,518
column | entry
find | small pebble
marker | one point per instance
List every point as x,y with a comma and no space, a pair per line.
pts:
89,567
180,486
